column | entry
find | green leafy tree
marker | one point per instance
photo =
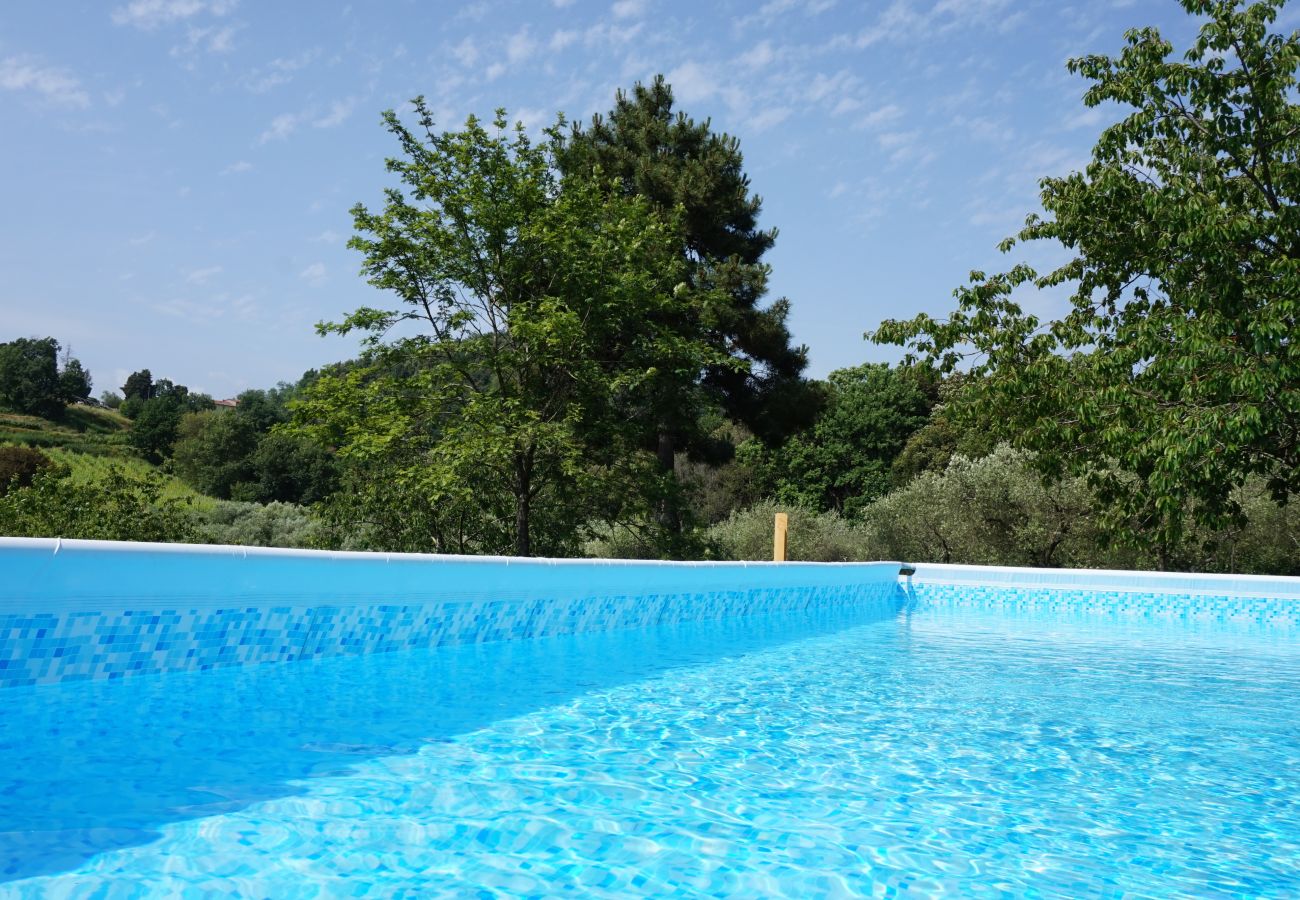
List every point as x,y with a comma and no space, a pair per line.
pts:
19,465
676,163
213,450
156,428
29,377
116,507
74,382
843,461
540,313
1175,375
139,386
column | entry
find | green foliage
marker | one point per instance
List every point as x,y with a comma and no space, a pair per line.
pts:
157,420
111,399
944,435
813,537
19,465
685,169
75,382
29,377
843,461
545,314
996,510
139,386
213,450
119,507
1175,376
258,525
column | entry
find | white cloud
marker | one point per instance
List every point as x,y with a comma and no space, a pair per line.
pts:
203,275
141,240
901,20
281,127
494,71
466,52
880,116
313,274
54,85
149,14
285,124
758,56
237,168
769,117
278,71
562,39
520,46
628,9
562,4
338,113
328,236
692,82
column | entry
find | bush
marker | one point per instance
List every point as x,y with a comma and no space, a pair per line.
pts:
117,507
19,465
252,524
990,511
813,536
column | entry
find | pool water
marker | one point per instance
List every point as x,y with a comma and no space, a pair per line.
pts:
936,751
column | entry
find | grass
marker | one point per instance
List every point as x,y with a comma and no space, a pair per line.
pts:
88,441
85,429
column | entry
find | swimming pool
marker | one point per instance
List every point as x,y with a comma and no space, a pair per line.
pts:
969,738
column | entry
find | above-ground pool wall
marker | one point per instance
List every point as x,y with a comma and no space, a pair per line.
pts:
1263,600
75,610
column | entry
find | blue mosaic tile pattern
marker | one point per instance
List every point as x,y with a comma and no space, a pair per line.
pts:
79,645
1261,611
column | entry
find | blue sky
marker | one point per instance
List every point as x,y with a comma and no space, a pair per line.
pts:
177,174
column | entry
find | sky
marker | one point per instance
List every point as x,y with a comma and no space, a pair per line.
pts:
178,174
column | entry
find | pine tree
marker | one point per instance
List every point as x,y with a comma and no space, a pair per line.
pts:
645,149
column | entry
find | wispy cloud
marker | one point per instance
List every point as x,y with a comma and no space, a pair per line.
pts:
150,14
238,168
203,275
18,73
314,274
278,71
337,114
281,127
628,9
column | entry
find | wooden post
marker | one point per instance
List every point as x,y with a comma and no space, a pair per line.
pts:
779,537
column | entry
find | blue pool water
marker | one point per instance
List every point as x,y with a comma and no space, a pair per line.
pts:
942,750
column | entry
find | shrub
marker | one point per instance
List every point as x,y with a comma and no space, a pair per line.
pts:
116,507
813,536
19,465
252,524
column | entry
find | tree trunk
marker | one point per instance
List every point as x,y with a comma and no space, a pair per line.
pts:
667,452
523,497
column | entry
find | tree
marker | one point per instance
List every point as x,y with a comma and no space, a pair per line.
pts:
74,382
117,507
212,450
29,377
843,461
139,386
19,465
533,314
157,421
1175,374
680,164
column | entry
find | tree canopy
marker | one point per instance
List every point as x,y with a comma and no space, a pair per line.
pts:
31,381
491,407
1175,374
643,148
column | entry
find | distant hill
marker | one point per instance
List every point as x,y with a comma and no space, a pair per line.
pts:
83,429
